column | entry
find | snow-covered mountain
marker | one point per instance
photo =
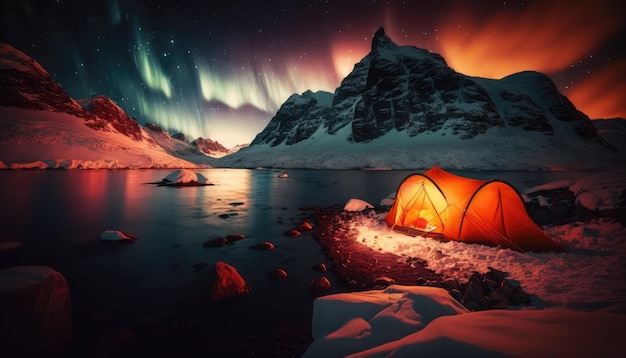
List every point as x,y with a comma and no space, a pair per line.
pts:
403,107
210,147
42,126
613,130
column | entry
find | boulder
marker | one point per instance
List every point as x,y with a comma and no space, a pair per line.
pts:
474,298
226,283
35,311
319,285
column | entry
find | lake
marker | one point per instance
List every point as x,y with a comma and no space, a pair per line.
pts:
58,216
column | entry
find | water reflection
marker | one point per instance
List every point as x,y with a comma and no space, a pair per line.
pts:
60,214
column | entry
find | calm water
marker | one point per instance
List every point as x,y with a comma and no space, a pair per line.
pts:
59,215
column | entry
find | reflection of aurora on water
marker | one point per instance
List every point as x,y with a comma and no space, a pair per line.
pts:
223,71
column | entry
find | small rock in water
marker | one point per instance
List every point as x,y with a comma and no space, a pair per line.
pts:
303,226
115,235
319,285
293,233
321,267
235,237
277,274
263,246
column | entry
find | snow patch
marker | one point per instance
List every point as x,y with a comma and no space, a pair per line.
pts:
185,176
357,205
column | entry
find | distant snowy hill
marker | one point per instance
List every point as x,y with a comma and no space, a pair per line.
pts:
42,127
403,107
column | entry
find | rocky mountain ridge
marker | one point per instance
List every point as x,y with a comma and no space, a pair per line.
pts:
27,86
412,90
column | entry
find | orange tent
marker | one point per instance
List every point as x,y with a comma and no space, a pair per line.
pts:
489,212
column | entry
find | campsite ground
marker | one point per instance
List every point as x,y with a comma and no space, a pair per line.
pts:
360,267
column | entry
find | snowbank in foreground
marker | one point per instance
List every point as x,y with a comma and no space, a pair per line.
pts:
406,321
578,305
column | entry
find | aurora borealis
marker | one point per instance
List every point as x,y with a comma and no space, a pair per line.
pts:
221,70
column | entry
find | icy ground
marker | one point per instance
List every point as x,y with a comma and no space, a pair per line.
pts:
578,306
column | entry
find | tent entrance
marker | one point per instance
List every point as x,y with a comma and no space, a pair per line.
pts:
417,232
425,210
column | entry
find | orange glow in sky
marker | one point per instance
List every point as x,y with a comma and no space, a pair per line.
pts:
604,94
545,36
345,54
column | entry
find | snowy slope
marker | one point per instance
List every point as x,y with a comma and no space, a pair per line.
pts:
42,127
500,149
46,139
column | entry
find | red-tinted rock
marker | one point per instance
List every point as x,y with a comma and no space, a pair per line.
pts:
319,285
277,274
226,283
35,311
303,226
235,237
321,267
263,246
293,233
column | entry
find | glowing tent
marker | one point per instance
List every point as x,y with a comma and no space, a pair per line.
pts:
489,212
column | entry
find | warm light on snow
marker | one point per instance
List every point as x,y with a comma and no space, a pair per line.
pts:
577,307
185,176
588,276
556,279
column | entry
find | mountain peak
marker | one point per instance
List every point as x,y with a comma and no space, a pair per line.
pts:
381,40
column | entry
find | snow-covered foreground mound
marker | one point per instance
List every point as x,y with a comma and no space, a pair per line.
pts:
578,306
412,321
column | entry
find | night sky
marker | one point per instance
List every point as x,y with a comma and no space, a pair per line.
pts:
222,69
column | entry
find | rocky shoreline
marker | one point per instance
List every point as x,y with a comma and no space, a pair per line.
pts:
357,267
